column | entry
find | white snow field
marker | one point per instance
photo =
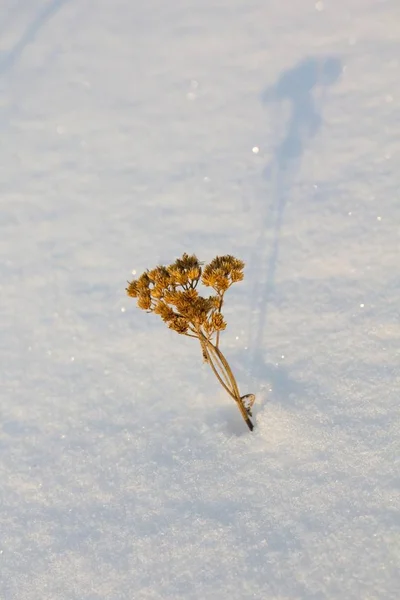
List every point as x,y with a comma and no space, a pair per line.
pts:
132,132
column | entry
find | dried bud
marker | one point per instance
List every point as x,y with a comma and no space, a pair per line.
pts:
233,262
162,276
194,273
185,270
171,297
216,279
217,321
165,311
187,262
207,276
144,301
222,271
143,282
179,277
132,289
190,295
179,324
236,275
152,275
214,302
157,292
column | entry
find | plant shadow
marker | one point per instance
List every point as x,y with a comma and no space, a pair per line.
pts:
300,92
11,57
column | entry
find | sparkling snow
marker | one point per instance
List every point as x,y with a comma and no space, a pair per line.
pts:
126,137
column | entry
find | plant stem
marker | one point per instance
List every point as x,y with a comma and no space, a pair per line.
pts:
219,377
224,374
221,301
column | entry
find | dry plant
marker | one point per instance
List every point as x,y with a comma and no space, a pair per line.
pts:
171,292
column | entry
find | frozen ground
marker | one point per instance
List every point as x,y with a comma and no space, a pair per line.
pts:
127,136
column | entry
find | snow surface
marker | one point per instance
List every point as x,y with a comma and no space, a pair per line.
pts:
130,133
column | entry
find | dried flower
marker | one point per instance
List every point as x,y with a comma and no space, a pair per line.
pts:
171,292
222,271
144,301
132,289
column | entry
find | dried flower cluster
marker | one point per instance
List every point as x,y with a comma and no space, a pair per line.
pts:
171,292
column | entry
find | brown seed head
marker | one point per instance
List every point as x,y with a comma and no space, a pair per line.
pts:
236,275
165,311
179,324
158,292
194,273
172,292
222,271
215,278
144,301
132,289
143,282
218,322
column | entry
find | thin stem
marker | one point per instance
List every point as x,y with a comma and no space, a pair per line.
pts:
205,350
221,301
229,384
228,380
229,373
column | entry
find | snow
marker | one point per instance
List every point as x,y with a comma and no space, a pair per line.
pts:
132,132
